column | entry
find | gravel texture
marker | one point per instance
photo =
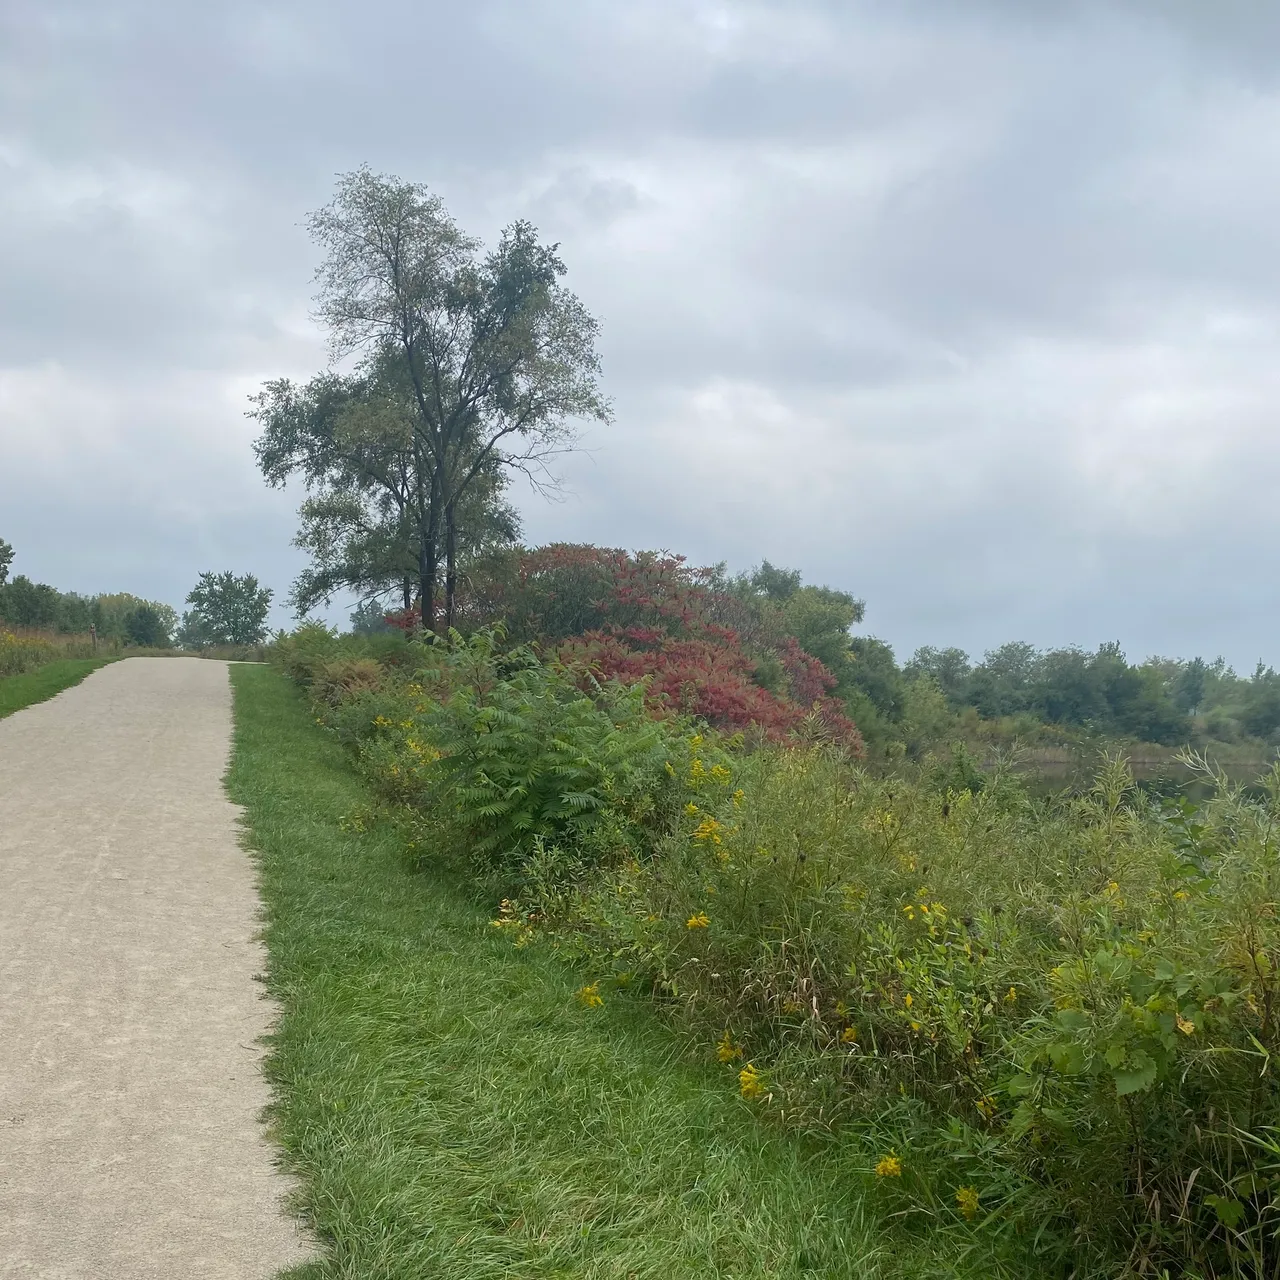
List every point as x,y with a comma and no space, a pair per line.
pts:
131,1141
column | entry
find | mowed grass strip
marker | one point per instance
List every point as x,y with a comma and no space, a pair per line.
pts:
25,690
452,1111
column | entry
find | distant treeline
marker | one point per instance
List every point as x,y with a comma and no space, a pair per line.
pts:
121,617
1160,700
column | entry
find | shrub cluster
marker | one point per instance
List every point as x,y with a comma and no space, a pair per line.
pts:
1051,1023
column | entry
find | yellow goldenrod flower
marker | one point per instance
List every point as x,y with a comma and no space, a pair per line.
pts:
698,921
889,1166
726,1050
1011,995
908,1000
750,1082
691,808
1181,896
590,996
708,829
696,771
720,773
849,1035
739,796
696,740
967,1200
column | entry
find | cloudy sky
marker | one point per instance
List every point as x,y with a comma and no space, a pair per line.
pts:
971,309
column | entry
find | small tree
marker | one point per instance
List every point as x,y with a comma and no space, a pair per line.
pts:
6,559
146,625
225,609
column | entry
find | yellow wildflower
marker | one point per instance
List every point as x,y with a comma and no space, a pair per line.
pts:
698,921
696,771
720,773
889,1166
1011,996
691,808
987,1106
696,740
590,996
1186,1026
907,1000
750,1082
915,1026
739,796
708,829
849,1035
1181,896
967,1200
726,1050
671,769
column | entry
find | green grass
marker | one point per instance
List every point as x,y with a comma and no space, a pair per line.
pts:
452,1111
31,687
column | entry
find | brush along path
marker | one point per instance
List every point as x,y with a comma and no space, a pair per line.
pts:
130,1082
453,1110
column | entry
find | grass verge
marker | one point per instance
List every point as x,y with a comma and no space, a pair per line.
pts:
31,687
449,1107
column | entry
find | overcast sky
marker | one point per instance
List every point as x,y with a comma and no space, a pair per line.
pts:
972,312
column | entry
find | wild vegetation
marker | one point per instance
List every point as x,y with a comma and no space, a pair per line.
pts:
1047,1023
1040,1026
453,1108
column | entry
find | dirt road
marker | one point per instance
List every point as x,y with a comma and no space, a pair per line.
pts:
130,1088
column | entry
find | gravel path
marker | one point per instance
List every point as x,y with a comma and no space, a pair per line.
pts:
130,1087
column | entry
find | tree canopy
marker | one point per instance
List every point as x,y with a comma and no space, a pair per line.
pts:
472,365
225,609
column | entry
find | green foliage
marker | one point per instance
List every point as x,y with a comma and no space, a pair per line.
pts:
6,559
443,421
451,1110
36,606
1048,1004
517,757
1036,1006
144,625
226,609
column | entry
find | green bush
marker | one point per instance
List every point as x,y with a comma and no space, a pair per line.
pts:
1052,1023
1066,1011
517,758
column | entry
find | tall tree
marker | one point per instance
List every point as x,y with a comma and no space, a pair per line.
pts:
225,609
499,356
6,559
351,440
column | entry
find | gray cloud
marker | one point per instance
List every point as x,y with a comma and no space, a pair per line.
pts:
970,309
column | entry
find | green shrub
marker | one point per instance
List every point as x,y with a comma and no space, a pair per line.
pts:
1066,1010
516,757
1052,1022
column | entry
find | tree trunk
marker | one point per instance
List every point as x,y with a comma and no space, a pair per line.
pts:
407,586
429,558
450,564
